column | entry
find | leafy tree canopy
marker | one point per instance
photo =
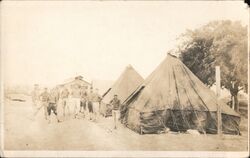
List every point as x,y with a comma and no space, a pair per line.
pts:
218,43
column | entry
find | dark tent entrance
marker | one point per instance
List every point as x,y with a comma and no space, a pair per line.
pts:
177,120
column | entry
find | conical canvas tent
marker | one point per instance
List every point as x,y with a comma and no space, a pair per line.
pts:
128,81
173,97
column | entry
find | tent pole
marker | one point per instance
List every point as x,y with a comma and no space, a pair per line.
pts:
218,87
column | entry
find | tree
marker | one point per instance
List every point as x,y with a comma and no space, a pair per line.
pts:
222,43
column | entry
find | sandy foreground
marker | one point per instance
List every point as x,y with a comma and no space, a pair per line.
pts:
23,133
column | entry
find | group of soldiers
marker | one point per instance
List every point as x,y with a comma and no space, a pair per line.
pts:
77,102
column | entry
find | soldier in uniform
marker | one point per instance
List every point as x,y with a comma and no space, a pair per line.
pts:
115,103
64,96
52,104
44,102
90,104
35,97
83,101
234,89
75,99
96,98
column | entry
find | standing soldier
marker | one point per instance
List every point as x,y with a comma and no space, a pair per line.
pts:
90,104
52,104
96,98
64,97
75,99
83,101
44,98
35,97
234,89
115,104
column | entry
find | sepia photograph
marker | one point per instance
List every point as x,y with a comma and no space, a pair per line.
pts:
124,78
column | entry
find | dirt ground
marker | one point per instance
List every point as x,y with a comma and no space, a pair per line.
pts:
23,133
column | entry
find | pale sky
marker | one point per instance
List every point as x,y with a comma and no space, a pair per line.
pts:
47,42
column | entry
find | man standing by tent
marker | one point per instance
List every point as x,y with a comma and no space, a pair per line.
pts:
234,89
52,104
115,103
64,97
90,104
44,98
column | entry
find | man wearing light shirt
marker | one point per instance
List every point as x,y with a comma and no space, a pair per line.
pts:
75,99
64,97
96,98
115,103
